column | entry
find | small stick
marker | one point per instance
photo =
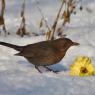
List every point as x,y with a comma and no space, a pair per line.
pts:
39,9
56,21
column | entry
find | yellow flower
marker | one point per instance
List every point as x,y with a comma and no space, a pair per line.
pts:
82,66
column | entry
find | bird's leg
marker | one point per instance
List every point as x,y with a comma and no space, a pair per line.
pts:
38,68
46,68
50,69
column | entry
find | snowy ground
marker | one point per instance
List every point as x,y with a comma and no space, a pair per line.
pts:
19,77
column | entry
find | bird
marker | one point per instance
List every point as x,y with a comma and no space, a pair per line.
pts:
44,53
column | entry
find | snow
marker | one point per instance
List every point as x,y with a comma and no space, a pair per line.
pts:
19,77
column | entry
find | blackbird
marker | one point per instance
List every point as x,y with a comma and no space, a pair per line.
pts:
44,53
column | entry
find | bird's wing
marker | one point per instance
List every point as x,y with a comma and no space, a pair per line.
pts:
37,51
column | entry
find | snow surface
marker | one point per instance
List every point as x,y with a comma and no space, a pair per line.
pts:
19,77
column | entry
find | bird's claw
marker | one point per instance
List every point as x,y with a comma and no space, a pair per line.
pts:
55,72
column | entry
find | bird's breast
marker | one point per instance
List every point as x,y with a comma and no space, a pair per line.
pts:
46,60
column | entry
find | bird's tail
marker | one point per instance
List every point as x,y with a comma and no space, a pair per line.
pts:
18,48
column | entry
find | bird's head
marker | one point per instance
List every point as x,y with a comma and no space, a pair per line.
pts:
70,42
65,43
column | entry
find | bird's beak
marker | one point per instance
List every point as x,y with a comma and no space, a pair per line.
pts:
75,44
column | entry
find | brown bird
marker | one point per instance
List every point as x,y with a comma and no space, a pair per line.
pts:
44,53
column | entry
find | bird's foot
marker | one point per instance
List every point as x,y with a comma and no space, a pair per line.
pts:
51,70
55,72
48,69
